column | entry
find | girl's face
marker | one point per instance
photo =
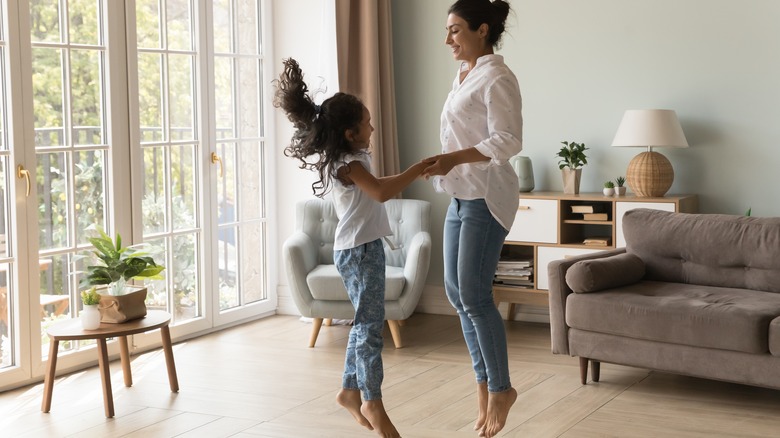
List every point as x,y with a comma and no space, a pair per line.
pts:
360,137
466,44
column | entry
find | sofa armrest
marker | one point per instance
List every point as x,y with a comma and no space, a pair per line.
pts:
559,291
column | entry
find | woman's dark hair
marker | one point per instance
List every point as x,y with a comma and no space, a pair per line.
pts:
476,12
319,130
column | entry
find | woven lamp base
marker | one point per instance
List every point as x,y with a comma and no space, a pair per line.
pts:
650,174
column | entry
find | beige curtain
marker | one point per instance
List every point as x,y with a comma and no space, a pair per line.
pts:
364,40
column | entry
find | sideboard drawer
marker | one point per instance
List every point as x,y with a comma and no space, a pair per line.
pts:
536,220
547,254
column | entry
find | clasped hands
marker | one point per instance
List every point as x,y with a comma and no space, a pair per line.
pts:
437,165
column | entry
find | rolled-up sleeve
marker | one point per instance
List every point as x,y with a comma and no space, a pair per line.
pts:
504,121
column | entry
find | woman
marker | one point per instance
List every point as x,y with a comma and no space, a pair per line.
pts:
481,128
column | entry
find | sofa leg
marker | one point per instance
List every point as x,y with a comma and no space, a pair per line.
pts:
395,330
595,372
584,370
328,321
316,323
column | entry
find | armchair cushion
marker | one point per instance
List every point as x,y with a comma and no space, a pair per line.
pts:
605,273
325,283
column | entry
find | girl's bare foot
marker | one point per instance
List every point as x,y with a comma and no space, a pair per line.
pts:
499,404
482,401
351,401
374,412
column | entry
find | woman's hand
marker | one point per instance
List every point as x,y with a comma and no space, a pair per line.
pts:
439,165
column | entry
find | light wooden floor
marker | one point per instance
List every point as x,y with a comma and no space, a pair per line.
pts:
260,380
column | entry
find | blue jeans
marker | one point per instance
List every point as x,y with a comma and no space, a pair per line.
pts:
472,246
362,270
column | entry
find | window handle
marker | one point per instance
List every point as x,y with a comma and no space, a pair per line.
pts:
21,172
215,159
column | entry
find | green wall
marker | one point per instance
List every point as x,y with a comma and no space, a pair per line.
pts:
581,64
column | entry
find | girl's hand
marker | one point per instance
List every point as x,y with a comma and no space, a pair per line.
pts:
439,165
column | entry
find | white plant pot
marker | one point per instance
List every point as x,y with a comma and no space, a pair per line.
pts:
90,317
608,192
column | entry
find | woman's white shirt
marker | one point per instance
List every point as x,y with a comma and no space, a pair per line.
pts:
361,218
484,111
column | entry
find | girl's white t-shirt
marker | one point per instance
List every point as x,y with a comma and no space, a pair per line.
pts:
361,218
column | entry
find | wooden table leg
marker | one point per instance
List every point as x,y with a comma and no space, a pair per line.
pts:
165,333
124,355
105,376
51,369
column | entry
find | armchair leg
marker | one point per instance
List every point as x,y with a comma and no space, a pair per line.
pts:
395,330
328,321
315,331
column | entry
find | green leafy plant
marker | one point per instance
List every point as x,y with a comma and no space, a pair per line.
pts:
620,181
609,185
119,264
90,297
572,155
749,211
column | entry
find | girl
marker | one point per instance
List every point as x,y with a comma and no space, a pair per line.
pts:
337,134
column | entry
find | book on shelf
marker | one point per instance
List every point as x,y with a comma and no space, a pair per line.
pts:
512,277
588,208
595,216
525,284
597,241
514,272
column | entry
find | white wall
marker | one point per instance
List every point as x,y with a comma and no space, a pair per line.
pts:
582,63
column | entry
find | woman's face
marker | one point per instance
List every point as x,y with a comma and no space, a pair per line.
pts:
466,44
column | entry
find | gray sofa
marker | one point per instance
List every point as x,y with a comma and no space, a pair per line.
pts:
693,294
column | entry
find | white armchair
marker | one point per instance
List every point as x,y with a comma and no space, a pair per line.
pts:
316,285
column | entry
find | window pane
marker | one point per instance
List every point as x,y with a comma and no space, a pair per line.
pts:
154,190
223,26
228,269
45,20
52,200
183,186
223,83
48,102
179,25
147,25
181,87
249,83
252,246
150,96
84,21
6,323
89,192
249,190
5,211
157,290
226,184
247,26
86,92
184,272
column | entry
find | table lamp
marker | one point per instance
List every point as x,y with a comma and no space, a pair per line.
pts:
650,173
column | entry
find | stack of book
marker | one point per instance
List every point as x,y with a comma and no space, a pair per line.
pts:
591,212
597,241
516,273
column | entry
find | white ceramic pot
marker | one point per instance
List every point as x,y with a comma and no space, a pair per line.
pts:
90,317
608,192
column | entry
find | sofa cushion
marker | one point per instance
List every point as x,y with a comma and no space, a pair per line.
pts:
708,249
774,337
702,316
597,274
325,283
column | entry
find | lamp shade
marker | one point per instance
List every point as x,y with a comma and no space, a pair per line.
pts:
650,128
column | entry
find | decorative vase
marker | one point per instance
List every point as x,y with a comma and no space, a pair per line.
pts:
90,317
608,191
620,191
571,180
525,172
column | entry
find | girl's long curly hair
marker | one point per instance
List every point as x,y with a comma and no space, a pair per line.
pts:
319,130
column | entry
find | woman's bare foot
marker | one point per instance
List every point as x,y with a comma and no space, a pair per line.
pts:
482,401
499,404
374,412
351,401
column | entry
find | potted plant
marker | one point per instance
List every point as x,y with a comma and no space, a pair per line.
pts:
116,266
572,158
609,188
90,315
620,190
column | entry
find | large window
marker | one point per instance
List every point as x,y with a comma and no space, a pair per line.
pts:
140,117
